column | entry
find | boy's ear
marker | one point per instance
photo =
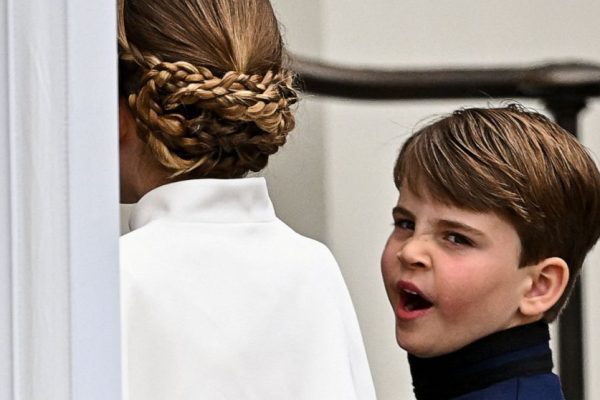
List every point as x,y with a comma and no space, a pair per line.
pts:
548,280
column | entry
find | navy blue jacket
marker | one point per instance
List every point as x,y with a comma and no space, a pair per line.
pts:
541,387
515,364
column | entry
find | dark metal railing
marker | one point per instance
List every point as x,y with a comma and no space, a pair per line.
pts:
564,88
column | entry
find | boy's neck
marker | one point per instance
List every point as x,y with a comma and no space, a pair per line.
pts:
518,351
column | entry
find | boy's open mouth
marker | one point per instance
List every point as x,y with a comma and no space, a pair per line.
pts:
413,301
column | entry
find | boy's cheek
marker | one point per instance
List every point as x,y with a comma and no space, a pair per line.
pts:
479,303
389,262
388,283
389,272
457,301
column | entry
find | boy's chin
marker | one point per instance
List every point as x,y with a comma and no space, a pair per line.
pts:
415,350
426,349
426,353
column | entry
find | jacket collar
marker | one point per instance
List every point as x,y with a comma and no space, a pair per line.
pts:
518,351
205,200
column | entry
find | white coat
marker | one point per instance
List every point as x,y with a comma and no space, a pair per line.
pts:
223,301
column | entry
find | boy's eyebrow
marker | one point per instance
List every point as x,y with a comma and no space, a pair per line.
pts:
443,223
450,224
402,211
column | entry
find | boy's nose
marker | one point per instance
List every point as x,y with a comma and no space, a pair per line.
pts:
414,253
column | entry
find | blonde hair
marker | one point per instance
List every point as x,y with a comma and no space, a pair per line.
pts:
205,82
518,164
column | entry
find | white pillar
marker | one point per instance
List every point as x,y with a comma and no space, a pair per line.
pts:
6,365
59,315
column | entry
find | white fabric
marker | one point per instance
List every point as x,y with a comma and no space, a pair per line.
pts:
222,300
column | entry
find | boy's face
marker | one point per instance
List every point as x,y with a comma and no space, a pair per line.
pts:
451,275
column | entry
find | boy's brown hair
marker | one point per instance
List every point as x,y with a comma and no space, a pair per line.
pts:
519,164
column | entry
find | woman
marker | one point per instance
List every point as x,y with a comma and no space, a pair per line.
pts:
221,300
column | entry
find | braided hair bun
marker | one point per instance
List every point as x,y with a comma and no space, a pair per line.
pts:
197,120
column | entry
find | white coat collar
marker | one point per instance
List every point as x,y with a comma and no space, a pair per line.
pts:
205,200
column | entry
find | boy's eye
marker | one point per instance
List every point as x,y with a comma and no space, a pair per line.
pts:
405,224
457,238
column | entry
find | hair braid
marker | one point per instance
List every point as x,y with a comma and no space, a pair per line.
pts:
196,121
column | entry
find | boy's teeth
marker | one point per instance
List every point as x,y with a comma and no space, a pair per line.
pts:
410,292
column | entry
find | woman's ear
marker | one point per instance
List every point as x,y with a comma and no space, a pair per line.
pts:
129,159
548,280
127,125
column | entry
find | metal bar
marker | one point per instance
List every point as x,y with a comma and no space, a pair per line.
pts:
571,347
570,323
564,79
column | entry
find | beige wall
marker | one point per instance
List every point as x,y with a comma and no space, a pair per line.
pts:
333,179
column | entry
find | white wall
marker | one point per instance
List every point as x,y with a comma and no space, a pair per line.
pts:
333,181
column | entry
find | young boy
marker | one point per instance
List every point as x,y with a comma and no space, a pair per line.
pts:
497,211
